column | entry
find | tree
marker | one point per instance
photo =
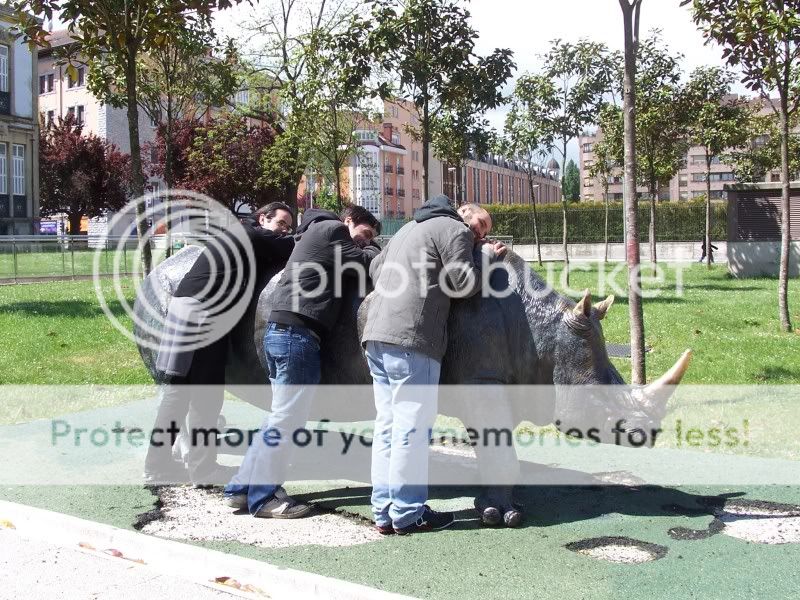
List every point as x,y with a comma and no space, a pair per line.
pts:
762,154
181,77
575,78
717,123
429,45
289,33
80,175
221,158
572,182
603,167
760,38
110,37
529,135
335,109
662,123
631,13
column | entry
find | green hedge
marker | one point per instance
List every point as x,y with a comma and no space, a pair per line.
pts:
675,222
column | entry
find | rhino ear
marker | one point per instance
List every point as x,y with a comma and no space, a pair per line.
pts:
602,307
584,307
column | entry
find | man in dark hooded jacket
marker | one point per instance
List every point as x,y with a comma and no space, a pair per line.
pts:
308,302
425,265
195,395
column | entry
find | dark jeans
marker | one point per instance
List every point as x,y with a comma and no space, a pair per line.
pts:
195,402
294,371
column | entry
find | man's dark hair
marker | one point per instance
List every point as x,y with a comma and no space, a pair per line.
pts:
270,209
361,216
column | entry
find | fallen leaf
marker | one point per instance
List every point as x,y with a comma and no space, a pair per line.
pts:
7,525
113,552
86,545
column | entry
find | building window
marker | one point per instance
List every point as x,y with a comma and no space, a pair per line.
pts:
683,180
395,138
78,113
501,190
588,163
51,116
79,81
684,195
18,164
476,185
153,122
3,169
395,111
46,83
511,197
3,68
588,147
489,187
242,97
588,182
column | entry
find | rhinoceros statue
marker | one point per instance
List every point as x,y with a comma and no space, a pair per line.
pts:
525,334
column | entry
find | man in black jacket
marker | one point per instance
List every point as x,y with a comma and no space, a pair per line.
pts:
308,302
220,275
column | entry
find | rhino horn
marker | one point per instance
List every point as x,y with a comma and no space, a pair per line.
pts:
654,396
584,307
602,307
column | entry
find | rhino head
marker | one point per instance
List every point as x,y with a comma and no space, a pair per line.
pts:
591,397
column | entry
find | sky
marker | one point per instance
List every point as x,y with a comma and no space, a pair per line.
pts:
528,26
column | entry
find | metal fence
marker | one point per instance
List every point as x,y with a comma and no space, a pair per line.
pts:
44,257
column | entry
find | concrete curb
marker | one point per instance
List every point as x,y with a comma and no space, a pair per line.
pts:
239,576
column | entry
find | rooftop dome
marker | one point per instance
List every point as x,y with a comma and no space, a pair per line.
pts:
553,165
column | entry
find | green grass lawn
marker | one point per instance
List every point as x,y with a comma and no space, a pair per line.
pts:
50,260
56,333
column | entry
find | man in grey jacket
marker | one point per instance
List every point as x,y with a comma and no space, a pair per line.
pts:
426,263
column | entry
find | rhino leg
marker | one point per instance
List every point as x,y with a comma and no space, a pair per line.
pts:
488,412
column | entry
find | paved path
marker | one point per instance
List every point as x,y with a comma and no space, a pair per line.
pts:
33,569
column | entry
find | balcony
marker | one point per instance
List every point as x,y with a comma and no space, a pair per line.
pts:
389,191
401,193
401,170
388,169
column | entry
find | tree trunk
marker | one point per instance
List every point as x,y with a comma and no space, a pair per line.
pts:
708,209
652,230
605,225
631,19
564,214
535,219
783,272
426,134
75,223
137,175
337,183
168,178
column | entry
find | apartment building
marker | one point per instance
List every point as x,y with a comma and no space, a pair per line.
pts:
386,174
19,133
690,182
60,95
497,180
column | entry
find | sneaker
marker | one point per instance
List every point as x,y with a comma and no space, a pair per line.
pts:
235,501
283,506
384,529
430,520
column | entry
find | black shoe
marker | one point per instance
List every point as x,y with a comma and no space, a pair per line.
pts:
430,520
283,506
384,529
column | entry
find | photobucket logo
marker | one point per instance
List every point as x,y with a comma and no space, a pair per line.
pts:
159,319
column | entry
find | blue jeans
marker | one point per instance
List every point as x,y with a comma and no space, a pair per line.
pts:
294,371
406,399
